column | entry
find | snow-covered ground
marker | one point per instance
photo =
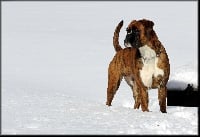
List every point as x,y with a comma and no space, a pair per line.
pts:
55,57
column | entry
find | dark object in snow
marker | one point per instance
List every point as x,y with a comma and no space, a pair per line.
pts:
187,97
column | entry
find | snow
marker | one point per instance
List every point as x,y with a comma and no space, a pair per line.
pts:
55,57
182,76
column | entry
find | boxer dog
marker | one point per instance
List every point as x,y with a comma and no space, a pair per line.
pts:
143,64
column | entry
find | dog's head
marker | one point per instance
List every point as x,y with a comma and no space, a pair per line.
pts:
138,33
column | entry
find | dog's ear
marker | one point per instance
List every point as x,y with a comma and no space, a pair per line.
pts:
148,27
147,23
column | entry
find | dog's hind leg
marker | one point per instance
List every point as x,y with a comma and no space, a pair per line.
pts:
162,93
114,81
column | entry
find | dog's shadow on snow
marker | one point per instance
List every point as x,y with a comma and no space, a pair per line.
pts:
182,94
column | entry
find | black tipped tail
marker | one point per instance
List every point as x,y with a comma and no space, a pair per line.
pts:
121,23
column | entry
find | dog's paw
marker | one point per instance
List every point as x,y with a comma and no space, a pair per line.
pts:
145,110
163,111
108,104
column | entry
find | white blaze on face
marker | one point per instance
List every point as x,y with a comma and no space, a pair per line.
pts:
149,68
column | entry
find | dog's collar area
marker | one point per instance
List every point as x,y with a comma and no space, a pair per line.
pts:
147,53
147,59
158,53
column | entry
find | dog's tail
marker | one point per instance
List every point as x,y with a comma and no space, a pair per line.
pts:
116,37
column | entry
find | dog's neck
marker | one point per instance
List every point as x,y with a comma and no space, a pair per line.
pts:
147,53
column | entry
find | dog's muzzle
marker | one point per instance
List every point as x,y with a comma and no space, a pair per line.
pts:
132,38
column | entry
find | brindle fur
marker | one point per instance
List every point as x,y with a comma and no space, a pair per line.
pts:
127,62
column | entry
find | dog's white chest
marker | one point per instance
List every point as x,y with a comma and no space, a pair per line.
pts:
149,68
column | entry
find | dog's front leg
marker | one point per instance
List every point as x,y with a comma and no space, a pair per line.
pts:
162,93
136,95
143,95
144,99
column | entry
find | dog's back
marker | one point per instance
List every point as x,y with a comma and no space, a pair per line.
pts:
125,57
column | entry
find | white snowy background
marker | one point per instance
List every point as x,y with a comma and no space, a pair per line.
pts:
55,57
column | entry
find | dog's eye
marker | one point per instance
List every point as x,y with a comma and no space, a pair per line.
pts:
129,31
136,31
